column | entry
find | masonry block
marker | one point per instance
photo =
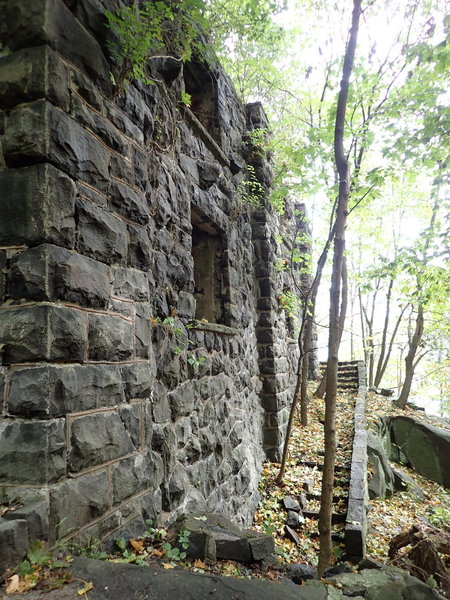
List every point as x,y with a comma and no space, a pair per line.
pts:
78,501
129,203
130,284
100,234
52,273
40,132
140,250
36,517
43,332
138,378
39,22
54,391
37,205
96,439
182,400
33,73
130,476
2,275
13,543
131,415
110,337
161,405
39,447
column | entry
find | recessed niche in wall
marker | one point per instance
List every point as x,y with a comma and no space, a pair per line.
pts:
207,252
200,84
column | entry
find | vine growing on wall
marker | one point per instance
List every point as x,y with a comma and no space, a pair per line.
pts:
165,28
183,29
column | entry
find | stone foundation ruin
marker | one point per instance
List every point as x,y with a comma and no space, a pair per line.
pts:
146,364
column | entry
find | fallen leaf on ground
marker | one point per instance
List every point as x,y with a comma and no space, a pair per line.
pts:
88,587
167,566
13,584
199,564
138,545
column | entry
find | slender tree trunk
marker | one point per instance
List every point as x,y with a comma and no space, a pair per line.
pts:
380,373
326,549
387,315
320,392
410,359
304,373
363,329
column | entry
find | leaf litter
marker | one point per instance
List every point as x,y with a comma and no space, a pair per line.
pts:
388,517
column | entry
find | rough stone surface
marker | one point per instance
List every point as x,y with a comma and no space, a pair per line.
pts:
97,439
40,333
78,501
113,398
52,273
423,447
37,205
381,483
213,537
299,572
13,542
39,447
53,391
35,515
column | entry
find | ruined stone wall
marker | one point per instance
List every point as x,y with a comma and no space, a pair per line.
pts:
117,405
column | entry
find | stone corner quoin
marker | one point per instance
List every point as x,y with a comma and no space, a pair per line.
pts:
110,223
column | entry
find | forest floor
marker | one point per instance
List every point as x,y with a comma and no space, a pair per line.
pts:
387,517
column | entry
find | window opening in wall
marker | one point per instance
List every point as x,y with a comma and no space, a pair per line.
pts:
207,252
200,85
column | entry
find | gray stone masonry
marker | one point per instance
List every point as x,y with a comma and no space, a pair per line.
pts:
115,405
358,496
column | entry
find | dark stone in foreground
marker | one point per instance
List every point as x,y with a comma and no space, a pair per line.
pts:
114,581
299,572
214,536
294,519
290,533
337,569
154,583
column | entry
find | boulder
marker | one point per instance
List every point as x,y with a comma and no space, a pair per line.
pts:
403,482
300,572
424,447
381,484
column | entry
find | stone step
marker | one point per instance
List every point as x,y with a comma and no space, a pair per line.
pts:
310,496
319,466
335,517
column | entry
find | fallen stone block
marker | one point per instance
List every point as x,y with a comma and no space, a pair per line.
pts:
213,536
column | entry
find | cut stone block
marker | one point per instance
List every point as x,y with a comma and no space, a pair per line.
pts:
37,205
54,391
39,447
97,439
43,332
52,273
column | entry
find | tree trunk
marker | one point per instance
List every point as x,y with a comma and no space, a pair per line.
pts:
320,392
380,373
326,549
410,360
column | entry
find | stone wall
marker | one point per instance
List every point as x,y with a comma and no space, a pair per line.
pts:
117,404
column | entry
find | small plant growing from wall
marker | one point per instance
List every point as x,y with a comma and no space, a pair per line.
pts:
162,29
182,342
